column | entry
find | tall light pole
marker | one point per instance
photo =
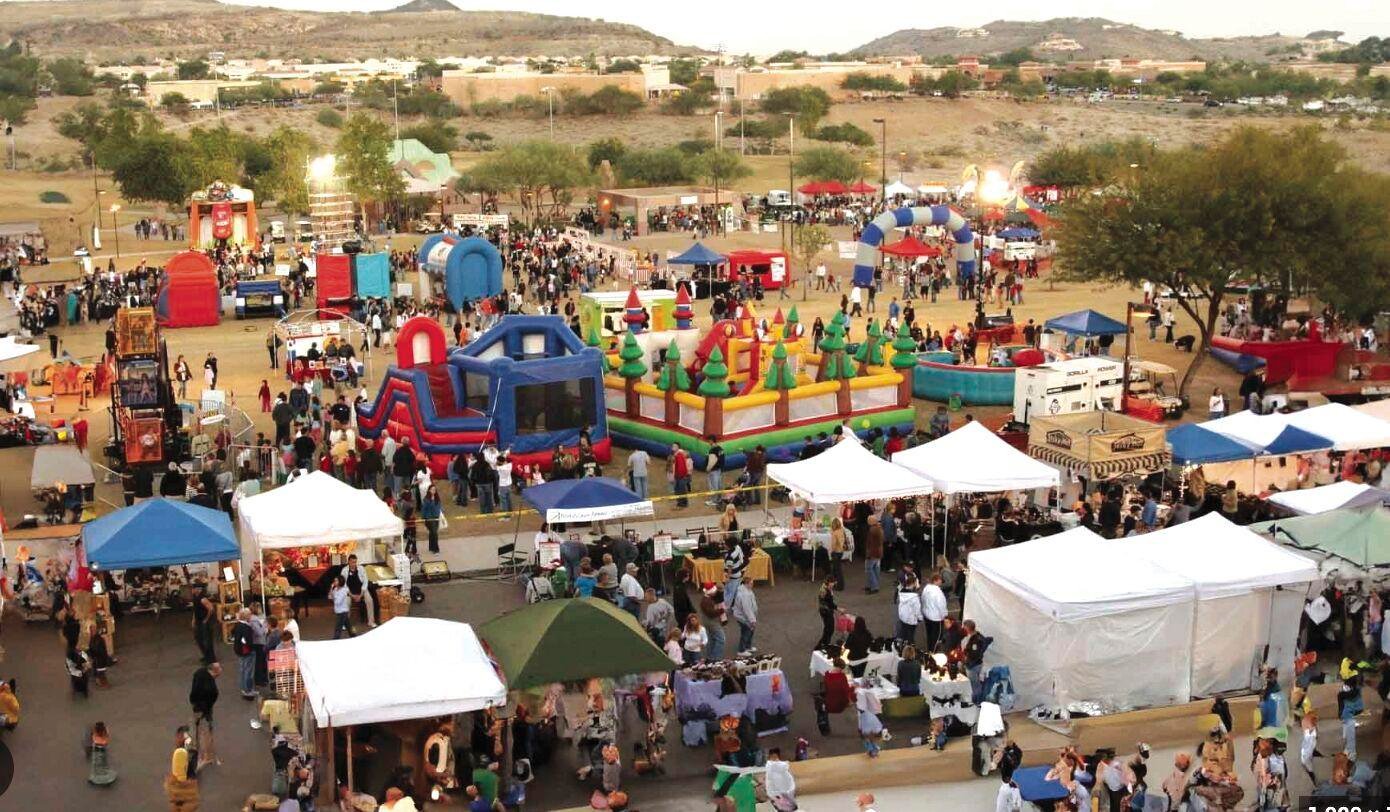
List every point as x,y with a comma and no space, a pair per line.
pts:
115,228
550,96
740,126
883,153
715,169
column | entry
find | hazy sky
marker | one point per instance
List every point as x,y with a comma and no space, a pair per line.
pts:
764,26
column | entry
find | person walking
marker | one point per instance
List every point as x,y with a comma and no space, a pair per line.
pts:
714,470
745,612
637,464
909,610
244,648
183,375
713,616
933,610
342,608
873,555
210,371
204,619
839,545
431,510
826,606
202,696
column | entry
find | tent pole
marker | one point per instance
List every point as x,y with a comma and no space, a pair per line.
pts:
349,760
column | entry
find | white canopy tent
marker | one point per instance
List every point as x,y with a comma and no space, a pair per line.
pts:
16,357
1379,409
1191,610
972,459
1347,428
847,472
315,509
1248,428
1341,494
1070,612
897,188
360,680
1250,592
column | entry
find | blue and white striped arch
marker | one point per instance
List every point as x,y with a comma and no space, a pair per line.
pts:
867,258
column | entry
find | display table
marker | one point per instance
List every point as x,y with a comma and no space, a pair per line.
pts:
950,698
711,570
883,688
880,663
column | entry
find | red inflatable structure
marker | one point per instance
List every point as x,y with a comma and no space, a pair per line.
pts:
1285,359
333,282
188,293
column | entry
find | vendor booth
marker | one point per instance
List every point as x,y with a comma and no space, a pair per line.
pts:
1351,547
1099,445
589,499
1191,444
973,459
260,297
847,472
1326,498
312,525
770,268
1201,604
188,292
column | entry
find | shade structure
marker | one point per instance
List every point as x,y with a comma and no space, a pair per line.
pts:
586,500
899,189
1294,440
1379,409
16,357
570,639
159,533
1268,434
1193,445
1220,557
1018,218
315,509
926,188
1018,234
862,188
60,463
1086,323
823,187
847,472
1067,611
698,254
1360,537
973,459
406,668
910,246
1338,495
1347,428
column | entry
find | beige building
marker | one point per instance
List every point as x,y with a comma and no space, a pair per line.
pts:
751,84
465,88
1336,71
197,91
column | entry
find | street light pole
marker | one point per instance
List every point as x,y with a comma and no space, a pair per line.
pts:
115,228
883,153
714,172
550,96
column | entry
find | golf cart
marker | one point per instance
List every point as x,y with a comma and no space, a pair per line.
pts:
1153,392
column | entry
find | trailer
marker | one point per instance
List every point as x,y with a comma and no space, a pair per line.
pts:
1067,387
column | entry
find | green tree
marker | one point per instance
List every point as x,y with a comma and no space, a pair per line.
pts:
436,136
611,100
784,56
807,242
950,84
715,383
71,77
609,149
808,105
687,103
174,102
330,118
623,66
193,69
684,71
872,81
540,176
364,160
845,133
1256,207
720,167
284,182
478,140
155,168
827,163
655,167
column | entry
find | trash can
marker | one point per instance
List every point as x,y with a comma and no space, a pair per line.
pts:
953,403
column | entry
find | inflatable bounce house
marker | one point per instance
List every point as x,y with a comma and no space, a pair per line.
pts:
866,259
1306,359
464,269
333,282
605,316
222,215
751,386
371,276
188,294
527,384
938,377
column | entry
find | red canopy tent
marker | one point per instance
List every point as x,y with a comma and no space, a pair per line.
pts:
910,246
862,188
1039,218
992,215
823,187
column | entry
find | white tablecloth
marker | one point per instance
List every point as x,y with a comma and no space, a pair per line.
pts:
950,698
885,690
882,663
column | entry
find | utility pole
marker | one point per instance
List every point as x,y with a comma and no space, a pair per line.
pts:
883,149
550,97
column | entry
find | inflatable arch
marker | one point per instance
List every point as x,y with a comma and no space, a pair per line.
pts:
471,268
867,258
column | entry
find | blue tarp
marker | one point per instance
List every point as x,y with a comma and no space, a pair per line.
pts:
582,499
698,254
1034,786
1086,323
1018,234
1293,440
159,533
372,276
1194,445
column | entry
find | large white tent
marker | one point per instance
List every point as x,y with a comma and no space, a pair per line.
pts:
973,459
1075,619
1191,610
406,668
1379,409
315,509
1249,595
847,472
1347,428
1341,494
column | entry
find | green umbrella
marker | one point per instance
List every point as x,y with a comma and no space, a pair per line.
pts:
570,639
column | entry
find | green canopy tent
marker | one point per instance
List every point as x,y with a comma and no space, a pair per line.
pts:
1358,537
567,640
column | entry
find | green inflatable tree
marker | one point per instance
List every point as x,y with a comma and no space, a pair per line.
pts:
594,341
632,355
673,377
793,320
870,352
834,365
904,350
779,373
715,384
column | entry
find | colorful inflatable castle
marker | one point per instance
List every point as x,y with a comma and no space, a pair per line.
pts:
188,294
222,215
753,383
528,384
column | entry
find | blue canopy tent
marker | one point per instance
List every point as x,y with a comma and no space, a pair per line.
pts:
1018,234
1293,440
159,533
586,500
698,254
1194,445
1086,323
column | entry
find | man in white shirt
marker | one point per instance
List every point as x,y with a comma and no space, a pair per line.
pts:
637,463
1008,798
933,609
504,482
630,591
780,781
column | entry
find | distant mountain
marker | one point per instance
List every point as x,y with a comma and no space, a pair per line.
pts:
139,30
1068,38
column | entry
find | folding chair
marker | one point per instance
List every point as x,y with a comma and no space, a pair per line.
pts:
509,562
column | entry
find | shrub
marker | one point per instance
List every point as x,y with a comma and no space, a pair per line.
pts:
329,117
845,133
50,195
